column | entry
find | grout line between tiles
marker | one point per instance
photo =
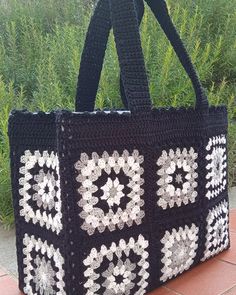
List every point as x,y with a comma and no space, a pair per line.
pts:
173,290
225,292
4,272
228,262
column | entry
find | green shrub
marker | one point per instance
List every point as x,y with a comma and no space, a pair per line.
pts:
41,44
8,100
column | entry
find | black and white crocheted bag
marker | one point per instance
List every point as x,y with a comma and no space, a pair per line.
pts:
118,202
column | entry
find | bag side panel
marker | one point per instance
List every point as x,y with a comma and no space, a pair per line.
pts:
38,204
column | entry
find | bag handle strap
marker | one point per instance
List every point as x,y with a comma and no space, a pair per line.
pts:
130,55
93,55
160,10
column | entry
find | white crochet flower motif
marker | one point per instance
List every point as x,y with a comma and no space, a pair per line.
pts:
43,268
177,177
216,166
122,272
179,250
217,238
45,188
44,278
94,168
40,173
113,192
121,275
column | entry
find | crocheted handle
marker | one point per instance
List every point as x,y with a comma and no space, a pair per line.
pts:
130,55
133,73
160,10
93,56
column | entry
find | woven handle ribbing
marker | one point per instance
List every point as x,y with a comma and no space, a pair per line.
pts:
130,55
160,10
93,56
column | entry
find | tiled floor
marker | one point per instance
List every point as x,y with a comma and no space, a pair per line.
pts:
215,277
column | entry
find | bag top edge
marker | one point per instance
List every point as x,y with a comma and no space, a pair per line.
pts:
112,112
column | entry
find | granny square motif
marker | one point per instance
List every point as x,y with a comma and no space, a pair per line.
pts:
43,267
177,177
40,189
111,190
118,268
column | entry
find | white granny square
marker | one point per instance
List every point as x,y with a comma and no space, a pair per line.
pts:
217,237
118,200
179,250
216,177
43,268
40,185
113,269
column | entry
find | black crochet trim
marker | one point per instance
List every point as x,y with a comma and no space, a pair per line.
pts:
109,112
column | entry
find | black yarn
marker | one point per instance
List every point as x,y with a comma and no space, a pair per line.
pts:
160,10
93,56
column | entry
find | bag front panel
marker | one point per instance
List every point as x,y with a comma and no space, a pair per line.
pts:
37,203
149,193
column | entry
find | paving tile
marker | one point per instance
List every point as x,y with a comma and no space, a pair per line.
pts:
231,291
8,250
2,272
232,220
232,197
230,255
163,291
8,286
210,278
